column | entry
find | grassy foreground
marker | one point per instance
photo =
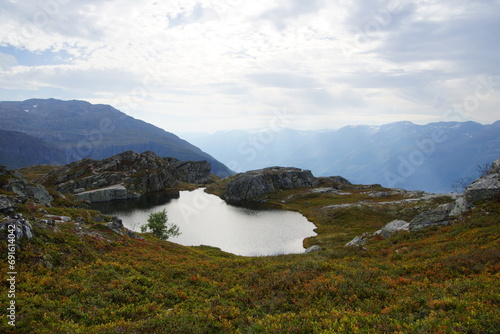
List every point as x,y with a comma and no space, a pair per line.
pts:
80,277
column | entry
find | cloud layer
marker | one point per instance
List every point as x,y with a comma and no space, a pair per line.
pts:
200,65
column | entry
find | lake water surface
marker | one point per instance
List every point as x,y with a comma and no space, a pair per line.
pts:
205,219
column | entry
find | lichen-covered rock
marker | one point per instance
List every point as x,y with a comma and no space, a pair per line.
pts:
7,204
16,229
116,225
393,227
251,185
461,206
437,217
34,191
385,232
125,176
107,194
313,249
486,187
16,183
359,241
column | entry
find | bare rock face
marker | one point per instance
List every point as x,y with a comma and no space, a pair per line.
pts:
395,226
251,185
16,183
107,194
486,187
16,229
437,217
7,204
126,175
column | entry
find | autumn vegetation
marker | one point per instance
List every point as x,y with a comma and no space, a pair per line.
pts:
84,278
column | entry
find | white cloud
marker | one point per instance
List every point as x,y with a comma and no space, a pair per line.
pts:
7,60
229,63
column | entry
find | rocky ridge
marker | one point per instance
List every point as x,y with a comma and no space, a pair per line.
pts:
124,176
49,131
15,183
251,185
484,188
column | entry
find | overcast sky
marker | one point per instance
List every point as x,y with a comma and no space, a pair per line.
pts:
207,65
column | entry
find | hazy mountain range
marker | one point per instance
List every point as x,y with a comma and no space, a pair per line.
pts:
416,157
42,131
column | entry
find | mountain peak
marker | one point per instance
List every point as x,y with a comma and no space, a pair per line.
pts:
79,129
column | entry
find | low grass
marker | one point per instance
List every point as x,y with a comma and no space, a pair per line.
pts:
439,280
33,173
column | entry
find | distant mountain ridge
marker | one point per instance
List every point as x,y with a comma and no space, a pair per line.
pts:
74,130
415,157
19,149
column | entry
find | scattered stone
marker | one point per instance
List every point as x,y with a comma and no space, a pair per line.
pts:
379,194
437,217
59,219
359,240
385,232
116,225
7,204
393,227
461,206
313,249
49,222
22,228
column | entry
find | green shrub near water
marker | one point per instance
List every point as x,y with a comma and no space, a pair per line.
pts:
157,224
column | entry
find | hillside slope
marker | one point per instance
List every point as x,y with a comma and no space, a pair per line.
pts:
81,272
83,130
18,149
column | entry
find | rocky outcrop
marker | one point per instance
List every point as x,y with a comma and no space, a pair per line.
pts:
116,225
14,182
359,240
395,226
486,187
126,175
439,216
251,185
7,204
111,193
313,249
335,182
16,229
34,191
385,232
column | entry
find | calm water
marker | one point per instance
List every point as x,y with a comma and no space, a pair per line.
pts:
206,219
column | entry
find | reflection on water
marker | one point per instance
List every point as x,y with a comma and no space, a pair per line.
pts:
206,219
143,203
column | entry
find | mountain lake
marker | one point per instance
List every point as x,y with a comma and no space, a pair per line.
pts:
206,219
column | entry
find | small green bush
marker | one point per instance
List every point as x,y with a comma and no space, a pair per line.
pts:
157,224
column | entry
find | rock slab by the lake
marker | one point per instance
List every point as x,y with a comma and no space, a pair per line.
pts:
251,185
126,175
